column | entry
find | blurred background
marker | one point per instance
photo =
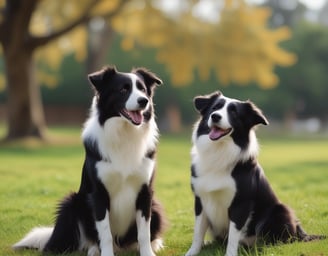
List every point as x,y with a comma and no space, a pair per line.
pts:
274,52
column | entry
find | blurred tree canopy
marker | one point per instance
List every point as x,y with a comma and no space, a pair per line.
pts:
238,47
36,34
33,30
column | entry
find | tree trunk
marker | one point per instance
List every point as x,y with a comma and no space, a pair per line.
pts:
24,106
99,41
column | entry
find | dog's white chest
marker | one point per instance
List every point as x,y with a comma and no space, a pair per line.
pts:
216,191
123,188
125,167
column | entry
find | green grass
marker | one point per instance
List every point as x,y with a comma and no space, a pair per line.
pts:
34,177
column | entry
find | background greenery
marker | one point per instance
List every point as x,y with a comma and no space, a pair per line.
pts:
35,176
301,92
302,89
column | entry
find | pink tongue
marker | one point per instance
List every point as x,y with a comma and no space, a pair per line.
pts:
215,133
136,117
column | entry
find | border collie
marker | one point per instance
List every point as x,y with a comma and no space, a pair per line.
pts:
114,208
233,198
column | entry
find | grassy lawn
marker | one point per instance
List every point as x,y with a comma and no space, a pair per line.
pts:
33,177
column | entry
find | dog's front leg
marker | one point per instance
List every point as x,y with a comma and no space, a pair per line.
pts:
143,218
143,226
201,225
234,237
105,236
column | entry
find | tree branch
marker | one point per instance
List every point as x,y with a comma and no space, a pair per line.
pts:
16,16
83,19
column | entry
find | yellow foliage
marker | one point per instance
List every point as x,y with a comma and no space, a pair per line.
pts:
51,55
78,39
239,48
50,79
53,15
127,43
104,7
146,26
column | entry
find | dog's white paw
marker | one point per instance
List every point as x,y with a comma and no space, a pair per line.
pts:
148,253
93,251
107,251
192,251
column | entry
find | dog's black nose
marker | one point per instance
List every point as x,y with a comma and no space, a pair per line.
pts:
142,102
216,117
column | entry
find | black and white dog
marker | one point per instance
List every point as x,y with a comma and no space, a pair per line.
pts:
114,208
233,198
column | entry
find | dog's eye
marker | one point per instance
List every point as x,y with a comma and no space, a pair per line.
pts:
216,107
141,87
233,109
125,89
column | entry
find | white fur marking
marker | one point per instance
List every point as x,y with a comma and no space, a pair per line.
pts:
37,238
105,236
143,227
132,102
233,240
118,138
157,244
93,251
123,188
201,225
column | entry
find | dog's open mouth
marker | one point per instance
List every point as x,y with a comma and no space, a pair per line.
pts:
217,132
135,116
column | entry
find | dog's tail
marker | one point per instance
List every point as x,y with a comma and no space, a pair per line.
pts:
303,236
65,235
37,238
281,225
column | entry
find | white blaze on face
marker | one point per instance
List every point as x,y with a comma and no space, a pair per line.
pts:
132,102
134,107
224,120
218,120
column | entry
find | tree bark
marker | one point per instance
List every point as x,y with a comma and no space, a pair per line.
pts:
24,106
99,42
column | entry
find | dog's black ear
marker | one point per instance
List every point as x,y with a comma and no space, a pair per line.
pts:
256,115
97,78
202,102
149,77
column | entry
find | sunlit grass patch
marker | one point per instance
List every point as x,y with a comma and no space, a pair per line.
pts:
34,179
